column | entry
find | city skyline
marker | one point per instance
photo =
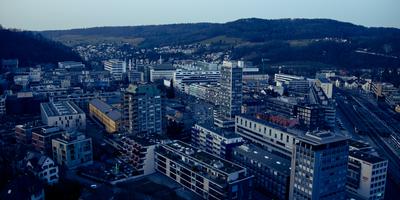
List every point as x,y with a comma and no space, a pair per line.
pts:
52,15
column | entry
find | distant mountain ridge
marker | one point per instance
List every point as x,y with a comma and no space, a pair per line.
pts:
32,48
321,40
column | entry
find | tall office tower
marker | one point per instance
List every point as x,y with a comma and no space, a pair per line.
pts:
115,67
319,166
141,112
231,90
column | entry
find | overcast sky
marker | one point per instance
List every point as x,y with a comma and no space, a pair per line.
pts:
66,14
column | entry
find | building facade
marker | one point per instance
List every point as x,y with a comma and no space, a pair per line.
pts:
319,166
206,175
141,112
366,175
108,116
115,67
64,114
231,90
72,150
42,138
215,140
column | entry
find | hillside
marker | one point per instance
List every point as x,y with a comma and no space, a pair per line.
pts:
32,48
320,40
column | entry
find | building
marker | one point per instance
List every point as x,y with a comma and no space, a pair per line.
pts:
231,90
319,166
72,150
215,140
282,79
277,139
3,105
183,78
42,167
71,65
115,67
141,112
108,116
64,114
366,175
207,175
326,86
43,136
310,116
135,76
139,152
23,133
162,72
271,172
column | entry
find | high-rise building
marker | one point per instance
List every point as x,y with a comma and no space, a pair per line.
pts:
319,166
366,175
115,67
141,112
231,89
208,176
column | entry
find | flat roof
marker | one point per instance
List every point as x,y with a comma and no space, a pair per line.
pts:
272,125
206,158
61,108
365,156
111,112
265,157
219,131
321,137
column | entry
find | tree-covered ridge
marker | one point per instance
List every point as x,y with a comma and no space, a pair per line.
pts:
32,48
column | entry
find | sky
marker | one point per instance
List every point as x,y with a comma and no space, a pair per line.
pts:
67,14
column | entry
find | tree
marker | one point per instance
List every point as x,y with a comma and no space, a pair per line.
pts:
171,90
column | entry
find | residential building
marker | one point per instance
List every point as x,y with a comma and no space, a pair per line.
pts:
42,167
23,133
105,114
183,78
141,112
215,140
366,175
319,166
115,67
64,114
271,172
207,175
42,138
139,152
72,150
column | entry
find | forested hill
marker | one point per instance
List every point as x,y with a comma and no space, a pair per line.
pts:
32,48
320,40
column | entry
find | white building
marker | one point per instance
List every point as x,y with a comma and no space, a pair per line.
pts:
115,67
282,79
162,72
366,176
64,114
42,167
184,78
72,150
326,86
71,65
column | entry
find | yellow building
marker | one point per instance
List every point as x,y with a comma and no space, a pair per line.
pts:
105,114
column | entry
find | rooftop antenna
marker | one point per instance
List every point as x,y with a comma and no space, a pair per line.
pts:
160,60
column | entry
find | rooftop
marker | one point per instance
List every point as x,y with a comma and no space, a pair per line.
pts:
321,137
365,157
219,131
265,157
204,158
272,125
143,89
47,130
111,112
61,108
